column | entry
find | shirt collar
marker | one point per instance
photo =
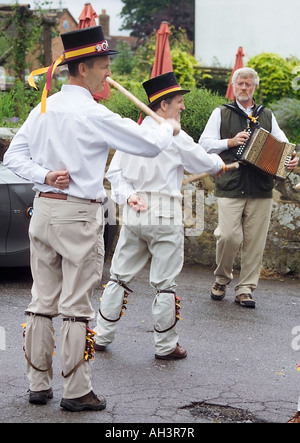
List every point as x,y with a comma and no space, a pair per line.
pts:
243,109
78,89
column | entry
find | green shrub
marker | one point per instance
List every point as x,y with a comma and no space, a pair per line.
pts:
183,66
16,104
122,105
287,113
124,63
275,75
199,105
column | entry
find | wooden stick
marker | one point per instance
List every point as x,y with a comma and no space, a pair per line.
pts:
134,100
297,187
193,177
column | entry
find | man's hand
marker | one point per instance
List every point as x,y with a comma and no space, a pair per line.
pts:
294,162
137,203
175,125
58,179
238,140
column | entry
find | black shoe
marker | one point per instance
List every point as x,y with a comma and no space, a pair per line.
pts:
89,402
40,397
99,348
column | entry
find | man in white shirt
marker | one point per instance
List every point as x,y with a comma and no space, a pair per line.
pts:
71,133
244,195
152,222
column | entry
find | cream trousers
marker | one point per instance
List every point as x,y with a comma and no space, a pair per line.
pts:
66,241
156,233
243,225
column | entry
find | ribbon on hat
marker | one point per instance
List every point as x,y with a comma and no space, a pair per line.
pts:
48,86
93,49
166,91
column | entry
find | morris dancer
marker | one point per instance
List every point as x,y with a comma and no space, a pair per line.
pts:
73,132
152,215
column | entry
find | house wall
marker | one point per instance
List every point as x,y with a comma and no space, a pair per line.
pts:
221,26
66,24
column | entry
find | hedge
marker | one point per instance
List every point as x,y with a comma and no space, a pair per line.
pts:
199,105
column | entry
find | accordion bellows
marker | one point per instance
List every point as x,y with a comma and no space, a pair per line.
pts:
267,153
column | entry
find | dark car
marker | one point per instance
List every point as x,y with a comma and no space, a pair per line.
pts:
16,199
16,209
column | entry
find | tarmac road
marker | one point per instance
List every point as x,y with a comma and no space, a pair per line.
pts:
241,364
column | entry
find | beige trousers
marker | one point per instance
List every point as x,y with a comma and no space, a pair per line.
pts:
66,241
156,233
243,224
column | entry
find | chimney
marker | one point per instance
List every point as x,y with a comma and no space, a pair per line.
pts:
104,22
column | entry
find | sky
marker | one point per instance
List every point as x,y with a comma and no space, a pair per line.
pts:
112,7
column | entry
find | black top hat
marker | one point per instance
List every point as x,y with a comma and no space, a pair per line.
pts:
162,87
85,43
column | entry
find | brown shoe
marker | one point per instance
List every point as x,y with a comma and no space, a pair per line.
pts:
89,402
295,418
179,352
245,300
40,397
218,292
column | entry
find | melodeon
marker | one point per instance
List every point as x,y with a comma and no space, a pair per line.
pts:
265,152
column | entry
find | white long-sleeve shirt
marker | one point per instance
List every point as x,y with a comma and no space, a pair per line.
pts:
211,136
75,134
129,174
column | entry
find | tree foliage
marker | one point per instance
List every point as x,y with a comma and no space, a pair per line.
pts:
287,113
279,90
124,63
140,64
144,16
21,33
275,75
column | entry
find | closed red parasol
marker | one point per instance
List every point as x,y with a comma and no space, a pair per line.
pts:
87,19
238,64
163,59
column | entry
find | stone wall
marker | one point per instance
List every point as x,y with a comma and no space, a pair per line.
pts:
282,252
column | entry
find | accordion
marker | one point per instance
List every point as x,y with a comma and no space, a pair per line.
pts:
265,152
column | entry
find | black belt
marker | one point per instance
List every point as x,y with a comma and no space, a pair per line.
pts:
76,319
